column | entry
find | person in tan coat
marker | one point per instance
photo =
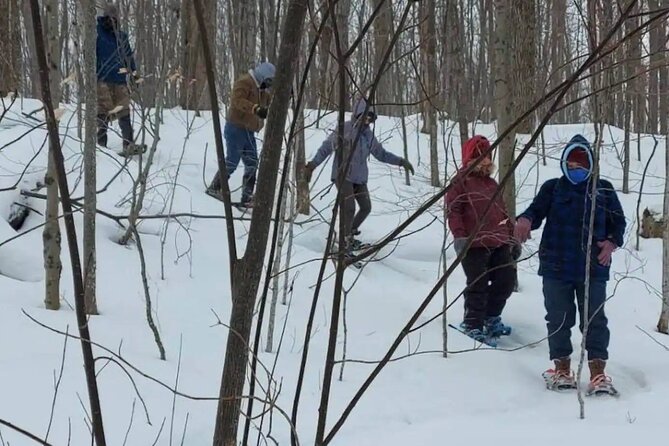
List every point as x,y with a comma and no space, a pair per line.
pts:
250,99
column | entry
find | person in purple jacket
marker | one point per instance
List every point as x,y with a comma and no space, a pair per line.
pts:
354,185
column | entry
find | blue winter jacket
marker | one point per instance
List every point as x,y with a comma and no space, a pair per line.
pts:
358,172
113,52
566,208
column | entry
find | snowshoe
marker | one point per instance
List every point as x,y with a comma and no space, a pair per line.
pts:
133,149
215,193
601,385
476,334
495,328
558,380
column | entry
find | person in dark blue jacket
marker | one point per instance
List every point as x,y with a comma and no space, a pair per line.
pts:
114,63
566,203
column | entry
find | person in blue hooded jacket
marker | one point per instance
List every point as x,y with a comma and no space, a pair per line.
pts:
354,186
249,103
114,63
565,204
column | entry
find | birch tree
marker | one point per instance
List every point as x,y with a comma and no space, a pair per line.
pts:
51,234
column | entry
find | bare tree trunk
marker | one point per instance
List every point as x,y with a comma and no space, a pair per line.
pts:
51,233
10,46
247,272
301,183
57,154
194,92
523,54
87,20
430,123
244,31
383,27
663,323
664,75
657,47
504,99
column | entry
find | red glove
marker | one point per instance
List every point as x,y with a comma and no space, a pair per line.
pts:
606,249
522,230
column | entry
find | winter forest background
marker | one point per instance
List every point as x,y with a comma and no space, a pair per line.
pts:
181,291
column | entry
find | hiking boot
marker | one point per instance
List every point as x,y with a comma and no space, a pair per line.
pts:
561,377
215,192
131,149
477,334
599,383
353,244
494,327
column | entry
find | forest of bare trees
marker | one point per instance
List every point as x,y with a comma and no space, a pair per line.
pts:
518,64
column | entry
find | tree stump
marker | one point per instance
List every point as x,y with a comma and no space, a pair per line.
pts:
652,224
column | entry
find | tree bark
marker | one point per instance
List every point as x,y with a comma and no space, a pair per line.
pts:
663,323
51,233
247,273
523,55
504,99
87,20
10,46
194,91
57,154
657,47
383,27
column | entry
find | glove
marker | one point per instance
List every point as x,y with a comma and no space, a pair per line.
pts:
407,165
459,244
309,170
606,249
260,111
522,230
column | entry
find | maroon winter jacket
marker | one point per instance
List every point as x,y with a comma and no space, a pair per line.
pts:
468,198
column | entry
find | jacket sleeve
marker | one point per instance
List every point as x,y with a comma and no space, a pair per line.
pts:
541,204
238,101
615,216
455,209
381,154
325,149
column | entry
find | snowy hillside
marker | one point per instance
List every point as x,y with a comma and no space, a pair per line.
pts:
480,396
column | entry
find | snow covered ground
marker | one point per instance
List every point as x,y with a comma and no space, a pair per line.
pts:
474,396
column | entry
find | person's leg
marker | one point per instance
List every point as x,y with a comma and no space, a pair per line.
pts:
105,104
121,99
347,205
502,280
232,156
249,157
361,194
475,266
560,316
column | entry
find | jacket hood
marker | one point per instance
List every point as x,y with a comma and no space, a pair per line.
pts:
359,109
473,148
264,71
578,142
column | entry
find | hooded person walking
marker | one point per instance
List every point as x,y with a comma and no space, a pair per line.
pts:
565,204
488,263
115,61
249,103
354,185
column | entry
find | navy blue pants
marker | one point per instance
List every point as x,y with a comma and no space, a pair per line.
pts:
240,145
561,299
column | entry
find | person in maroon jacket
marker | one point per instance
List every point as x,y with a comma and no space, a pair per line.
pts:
488,263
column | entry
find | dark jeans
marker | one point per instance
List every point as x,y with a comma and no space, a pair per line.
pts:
490,280
241,145
561,317
352,194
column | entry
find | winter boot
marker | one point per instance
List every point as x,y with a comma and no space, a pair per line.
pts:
353,244
600,383
248,184
494,327
102,130
560,378
129,146
477,334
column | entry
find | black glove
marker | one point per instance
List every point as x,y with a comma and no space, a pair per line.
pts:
260,111
459,244
308,171
407,165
